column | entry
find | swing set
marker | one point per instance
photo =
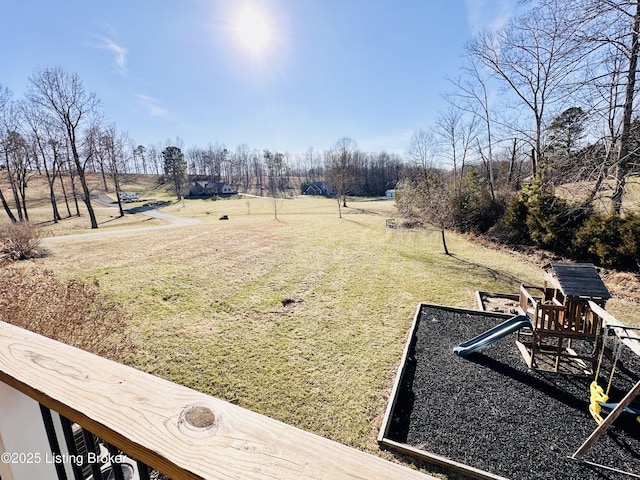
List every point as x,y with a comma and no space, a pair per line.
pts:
599,397
618,335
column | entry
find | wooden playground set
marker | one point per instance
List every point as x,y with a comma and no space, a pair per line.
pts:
563,327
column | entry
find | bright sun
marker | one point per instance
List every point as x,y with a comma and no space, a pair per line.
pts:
253,29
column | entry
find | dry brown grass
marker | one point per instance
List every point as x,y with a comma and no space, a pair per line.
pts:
71,311
302,319
577,192
40,211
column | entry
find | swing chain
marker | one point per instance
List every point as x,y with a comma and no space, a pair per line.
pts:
616,356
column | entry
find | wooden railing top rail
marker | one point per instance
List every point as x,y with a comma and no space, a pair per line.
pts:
629,337
182,433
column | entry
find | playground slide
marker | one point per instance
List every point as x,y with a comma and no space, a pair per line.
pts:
611,406
492,335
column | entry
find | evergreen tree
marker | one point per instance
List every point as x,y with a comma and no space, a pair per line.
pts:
175,168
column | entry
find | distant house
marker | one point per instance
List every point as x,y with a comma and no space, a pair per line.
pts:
203,188
390,193
319,188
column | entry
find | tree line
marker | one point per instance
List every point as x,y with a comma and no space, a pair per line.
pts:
58,131
544,102
267,172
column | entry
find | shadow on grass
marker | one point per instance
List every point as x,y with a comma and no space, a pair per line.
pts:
363,225
362,211
112,219
496,275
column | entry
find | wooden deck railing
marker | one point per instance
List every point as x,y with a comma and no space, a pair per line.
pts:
177,431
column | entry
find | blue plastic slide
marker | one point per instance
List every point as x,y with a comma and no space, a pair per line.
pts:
492,335
611,406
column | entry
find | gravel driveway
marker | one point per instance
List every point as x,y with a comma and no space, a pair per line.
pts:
151,212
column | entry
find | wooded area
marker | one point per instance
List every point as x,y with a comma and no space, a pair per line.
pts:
547,100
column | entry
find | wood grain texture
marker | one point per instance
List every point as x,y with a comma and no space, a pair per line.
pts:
629,337
144,416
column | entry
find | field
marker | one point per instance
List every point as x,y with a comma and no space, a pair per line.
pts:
303,318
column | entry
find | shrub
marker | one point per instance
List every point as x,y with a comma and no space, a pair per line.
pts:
515,221
19,241
473,208
610,241
68,311
553,222
537,216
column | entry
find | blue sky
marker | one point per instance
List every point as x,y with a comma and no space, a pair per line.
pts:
372,70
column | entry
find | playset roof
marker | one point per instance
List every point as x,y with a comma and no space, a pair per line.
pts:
577,279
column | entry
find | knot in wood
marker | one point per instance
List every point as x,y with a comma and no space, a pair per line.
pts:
199,417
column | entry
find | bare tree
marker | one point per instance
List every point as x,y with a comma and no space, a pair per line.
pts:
458,134
195,161
5,104
631,46
242,155
111,147
539,56
57,146
216,159
472,96
429,199
340,163
43,138
93,150
154,156
610,30
422,150
604,98
64,96
17,164
21,171
276,182
8,143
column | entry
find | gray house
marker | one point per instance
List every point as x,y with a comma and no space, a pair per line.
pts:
203,188
319,188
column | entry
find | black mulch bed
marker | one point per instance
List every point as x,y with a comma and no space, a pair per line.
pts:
489,411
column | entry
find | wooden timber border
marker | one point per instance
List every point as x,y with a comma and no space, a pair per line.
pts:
414,452
148,418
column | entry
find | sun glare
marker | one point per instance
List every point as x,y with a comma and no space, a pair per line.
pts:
253,29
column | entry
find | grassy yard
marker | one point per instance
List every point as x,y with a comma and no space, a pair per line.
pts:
303,318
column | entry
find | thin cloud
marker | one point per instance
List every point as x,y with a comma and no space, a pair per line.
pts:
491,14
153,106
119,51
